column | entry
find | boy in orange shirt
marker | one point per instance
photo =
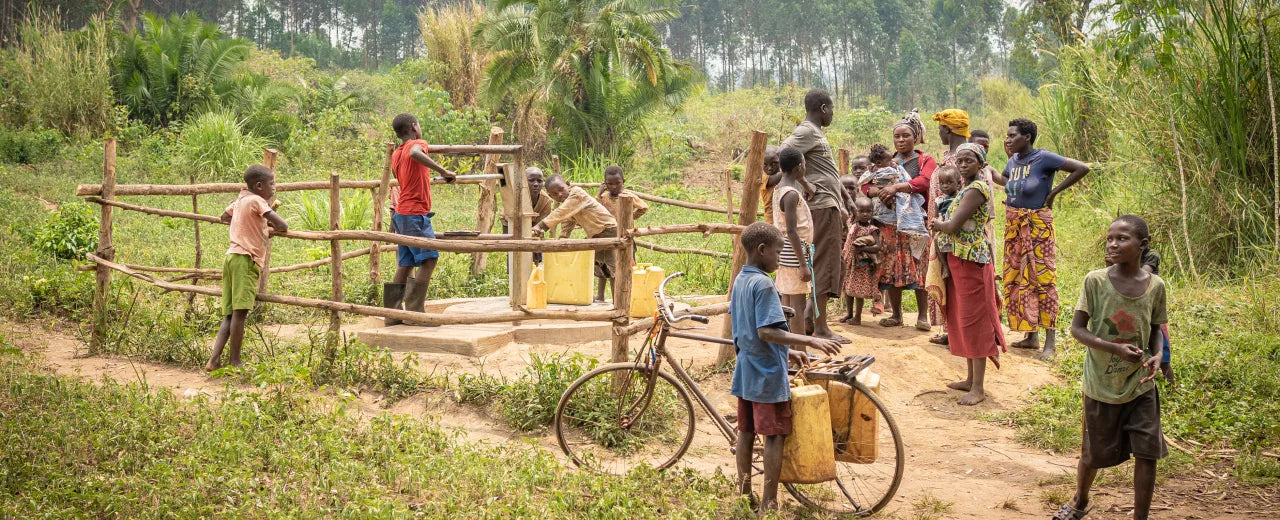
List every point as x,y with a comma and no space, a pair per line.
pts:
412,217
248,217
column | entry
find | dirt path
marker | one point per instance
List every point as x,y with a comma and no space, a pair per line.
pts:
958,464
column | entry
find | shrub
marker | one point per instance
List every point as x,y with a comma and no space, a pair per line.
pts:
69,232
215,146
28,146
528,403
59,79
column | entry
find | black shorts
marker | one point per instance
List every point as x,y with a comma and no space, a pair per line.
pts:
1113,432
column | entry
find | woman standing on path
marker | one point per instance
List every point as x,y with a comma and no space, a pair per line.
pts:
902,265
1030,255
972,306
953,131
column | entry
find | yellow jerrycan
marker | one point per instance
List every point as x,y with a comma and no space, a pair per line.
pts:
537,289
569,276
645,279
808,454
855,427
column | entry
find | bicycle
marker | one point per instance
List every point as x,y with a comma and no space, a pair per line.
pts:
623,415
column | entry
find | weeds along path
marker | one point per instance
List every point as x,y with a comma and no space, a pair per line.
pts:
960,464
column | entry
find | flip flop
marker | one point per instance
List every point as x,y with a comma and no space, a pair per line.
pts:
924,326
1069,512
940,339
890,322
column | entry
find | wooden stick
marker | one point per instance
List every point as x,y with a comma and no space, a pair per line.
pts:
195,208
503,149
750,189
268,160
664,200
679,250
1182,178
706,228
106,251
647,323
555,164
1275,132
460,244
379,200
335,254
728,195
365,310
213,274
622,280
488,202
842,162
85,190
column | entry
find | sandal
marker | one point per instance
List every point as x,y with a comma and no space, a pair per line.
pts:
890,322
923,325
1069,512
940,339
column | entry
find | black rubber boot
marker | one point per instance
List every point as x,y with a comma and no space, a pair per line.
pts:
392,296
415,296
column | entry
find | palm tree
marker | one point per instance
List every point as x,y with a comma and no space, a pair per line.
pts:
174,68
598,66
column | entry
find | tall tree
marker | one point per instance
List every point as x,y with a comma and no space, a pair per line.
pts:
598,65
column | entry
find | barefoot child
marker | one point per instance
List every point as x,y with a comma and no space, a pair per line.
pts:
412,217
248,217
792,218
1118,317
760,376
860,167
862,246
578,208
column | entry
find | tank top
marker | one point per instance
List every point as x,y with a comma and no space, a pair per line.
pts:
804,224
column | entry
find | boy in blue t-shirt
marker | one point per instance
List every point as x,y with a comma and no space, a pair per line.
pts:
760,377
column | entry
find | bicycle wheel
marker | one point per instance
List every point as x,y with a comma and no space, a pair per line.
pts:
621,416
861,488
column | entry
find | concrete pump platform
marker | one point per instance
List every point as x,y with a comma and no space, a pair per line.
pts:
483,339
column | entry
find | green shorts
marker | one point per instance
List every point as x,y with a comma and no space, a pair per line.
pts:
239,283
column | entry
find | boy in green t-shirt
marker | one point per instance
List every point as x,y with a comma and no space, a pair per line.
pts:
1118,317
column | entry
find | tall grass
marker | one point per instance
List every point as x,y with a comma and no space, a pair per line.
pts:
58,79
446,34
1186,110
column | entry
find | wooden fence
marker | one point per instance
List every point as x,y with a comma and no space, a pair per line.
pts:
507,178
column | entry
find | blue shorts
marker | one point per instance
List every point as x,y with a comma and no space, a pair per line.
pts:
414,226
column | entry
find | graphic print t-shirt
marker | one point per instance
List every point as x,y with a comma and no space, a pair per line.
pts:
1120,319
1031,178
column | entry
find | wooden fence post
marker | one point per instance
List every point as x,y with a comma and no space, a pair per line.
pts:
622,281
747,215
728,193
488,202
195,224
107,251
555,164
335,254
843,163
521,225
379,209
268,160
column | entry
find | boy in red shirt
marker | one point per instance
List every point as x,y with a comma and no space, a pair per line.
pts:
412,217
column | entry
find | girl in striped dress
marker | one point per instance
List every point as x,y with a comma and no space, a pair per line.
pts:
791,216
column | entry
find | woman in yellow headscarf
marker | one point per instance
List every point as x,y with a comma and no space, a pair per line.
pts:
953,131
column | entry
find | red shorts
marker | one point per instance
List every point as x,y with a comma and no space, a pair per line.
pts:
764,418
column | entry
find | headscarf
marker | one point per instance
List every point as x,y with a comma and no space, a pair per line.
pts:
912,122
977,150
955,119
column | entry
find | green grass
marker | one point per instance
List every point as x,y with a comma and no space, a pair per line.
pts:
139,452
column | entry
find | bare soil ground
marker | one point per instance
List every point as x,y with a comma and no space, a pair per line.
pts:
958,464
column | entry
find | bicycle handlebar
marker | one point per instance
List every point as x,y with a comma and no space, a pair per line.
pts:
664,307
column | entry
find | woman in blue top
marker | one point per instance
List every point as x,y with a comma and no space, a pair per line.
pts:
1030,271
